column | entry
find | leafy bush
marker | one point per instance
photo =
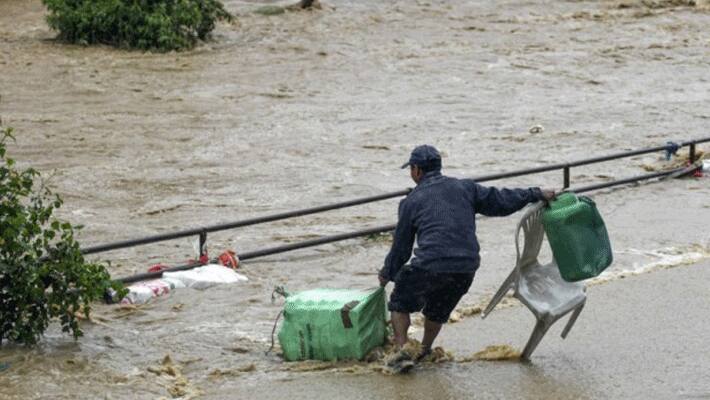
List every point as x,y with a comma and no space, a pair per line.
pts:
43,274
161,25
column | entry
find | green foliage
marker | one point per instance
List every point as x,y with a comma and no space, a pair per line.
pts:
43,274
161,25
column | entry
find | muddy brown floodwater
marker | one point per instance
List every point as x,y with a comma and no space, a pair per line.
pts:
306,108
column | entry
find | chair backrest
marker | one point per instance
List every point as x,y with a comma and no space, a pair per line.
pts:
533,234
538,286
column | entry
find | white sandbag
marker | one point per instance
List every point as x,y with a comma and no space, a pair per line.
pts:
173,282
206,276
137,295
142,292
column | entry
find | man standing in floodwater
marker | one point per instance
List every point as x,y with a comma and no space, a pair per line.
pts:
440,213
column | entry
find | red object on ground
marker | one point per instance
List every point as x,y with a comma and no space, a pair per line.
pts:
229,259
157,268
204,259
698,172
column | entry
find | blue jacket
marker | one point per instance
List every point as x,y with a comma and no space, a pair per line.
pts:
440,212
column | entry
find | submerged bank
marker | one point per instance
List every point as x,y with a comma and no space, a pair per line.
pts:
303,109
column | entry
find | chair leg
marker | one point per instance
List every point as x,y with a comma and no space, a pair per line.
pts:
572,320
540,329
502,291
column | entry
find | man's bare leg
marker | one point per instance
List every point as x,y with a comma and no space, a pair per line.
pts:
431,330
400,323
400,362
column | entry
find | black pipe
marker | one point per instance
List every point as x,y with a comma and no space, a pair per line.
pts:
382,229
552,167
238,224
695,141
155,275
691,153
363,200
316,242
609,157
265,252
632,179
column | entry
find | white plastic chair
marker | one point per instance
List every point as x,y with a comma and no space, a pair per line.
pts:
539,287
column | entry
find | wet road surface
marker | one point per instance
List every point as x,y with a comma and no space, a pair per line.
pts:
310,108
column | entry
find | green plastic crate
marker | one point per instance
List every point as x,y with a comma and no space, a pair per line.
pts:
333,324
577,236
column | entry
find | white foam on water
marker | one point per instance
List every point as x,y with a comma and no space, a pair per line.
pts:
664,258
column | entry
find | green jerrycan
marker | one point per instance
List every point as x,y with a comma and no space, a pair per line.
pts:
577,236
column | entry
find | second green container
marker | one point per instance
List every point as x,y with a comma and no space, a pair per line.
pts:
577,236
333,324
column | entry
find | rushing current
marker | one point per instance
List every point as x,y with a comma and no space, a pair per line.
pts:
306,108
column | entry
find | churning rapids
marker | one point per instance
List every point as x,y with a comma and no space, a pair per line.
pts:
307,108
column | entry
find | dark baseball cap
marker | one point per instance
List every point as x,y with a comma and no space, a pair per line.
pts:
425,157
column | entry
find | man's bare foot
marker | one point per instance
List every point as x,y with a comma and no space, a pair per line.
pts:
399,363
